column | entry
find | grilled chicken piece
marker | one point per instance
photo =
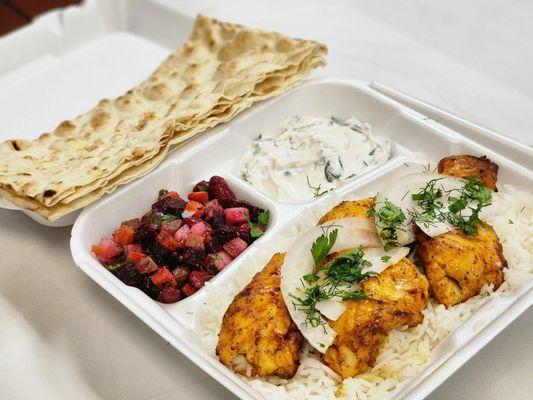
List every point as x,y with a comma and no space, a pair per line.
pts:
394,298
465,166
403,284
358,208
257,330
458,265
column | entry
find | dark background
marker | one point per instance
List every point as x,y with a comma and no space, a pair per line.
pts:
17,13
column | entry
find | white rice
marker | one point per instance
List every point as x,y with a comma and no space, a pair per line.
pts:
407,351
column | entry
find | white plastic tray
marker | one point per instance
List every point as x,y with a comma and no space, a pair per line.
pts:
218,152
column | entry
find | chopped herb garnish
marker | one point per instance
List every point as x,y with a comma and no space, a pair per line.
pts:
346,268
162,192
389,219
385,258
331,279
330,175
311,277
322,245
258,229
264,217
112,267
471,198
255,230
168,218
317,190
511,222
365,163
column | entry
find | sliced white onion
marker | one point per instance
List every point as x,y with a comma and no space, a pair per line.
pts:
332,309
352,232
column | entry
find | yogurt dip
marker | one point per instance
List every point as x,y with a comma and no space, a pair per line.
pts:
311,156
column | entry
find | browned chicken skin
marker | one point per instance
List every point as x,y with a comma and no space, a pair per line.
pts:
258,327
465,166
458,265
394,298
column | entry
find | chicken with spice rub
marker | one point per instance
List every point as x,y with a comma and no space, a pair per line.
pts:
458,264
258,327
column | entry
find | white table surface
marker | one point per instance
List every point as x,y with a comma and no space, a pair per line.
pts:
63,337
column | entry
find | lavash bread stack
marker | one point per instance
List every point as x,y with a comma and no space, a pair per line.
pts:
221,70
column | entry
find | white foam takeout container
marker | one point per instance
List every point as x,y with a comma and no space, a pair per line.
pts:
416,142
53,53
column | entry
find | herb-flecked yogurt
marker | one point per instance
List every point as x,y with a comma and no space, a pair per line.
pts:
311,156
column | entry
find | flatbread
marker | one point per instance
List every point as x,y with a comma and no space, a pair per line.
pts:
221,70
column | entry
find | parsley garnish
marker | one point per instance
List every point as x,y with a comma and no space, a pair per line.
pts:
264,217
317,190
255,230
311,277
162,192
258,229
168,218
385,258
330,279
389,219
322,245
511,222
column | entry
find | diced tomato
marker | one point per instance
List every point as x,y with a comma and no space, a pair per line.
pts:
237,215
162,276
195,241
123,235
201,228
107,250
181,235
200,197
193,209
217,261
211,208
188,289
146,265
235,247
171,226
198,278
135,257
166,239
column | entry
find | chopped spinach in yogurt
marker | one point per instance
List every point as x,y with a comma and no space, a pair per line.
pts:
311,153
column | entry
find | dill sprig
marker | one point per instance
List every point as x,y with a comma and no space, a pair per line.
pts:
317,190
389,219
471,198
